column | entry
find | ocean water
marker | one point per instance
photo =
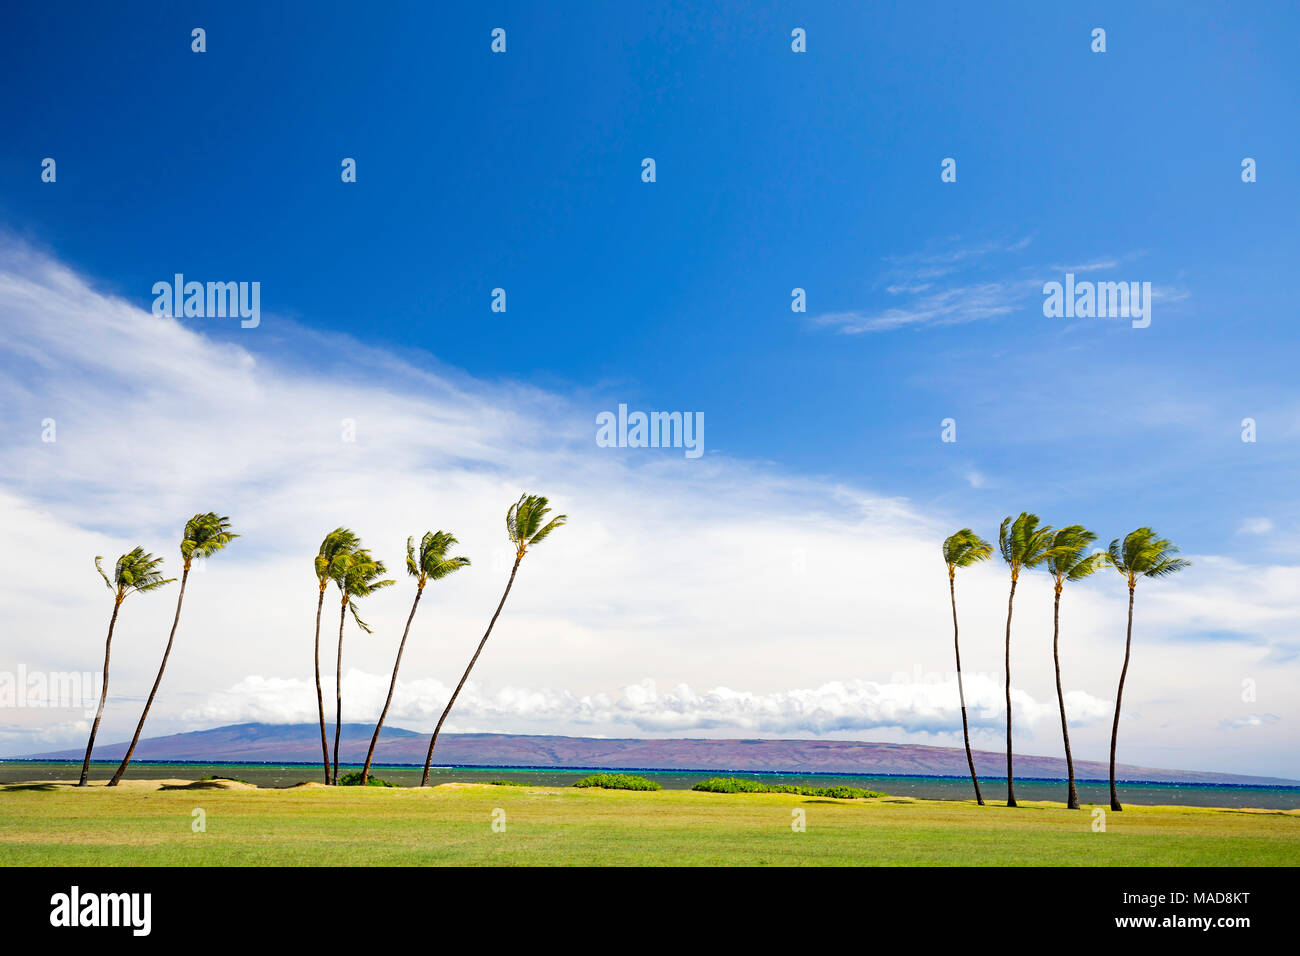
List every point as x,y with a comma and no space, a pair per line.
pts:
929,788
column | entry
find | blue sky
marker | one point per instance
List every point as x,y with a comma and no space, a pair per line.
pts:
775,170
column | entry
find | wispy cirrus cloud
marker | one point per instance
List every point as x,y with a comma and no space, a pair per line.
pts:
965,283
949,306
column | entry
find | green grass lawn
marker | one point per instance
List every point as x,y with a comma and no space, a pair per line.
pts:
452,824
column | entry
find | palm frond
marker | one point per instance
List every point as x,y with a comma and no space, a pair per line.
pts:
137,570
356,616
512,520
554,523
524,522
1004,539
334,549
98,567
1023,542
447,566
1089,565
360,578
964,548
1143,553
205,535
432,561
363,575
1066,558
1167,567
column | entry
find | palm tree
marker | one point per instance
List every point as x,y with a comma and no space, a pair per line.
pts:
1066,561
137,570
204,536
961,550
432,564
1023,545
358,578
331,561
1142,554
525,529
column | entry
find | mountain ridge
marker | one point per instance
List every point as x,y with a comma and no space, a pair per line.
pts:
300,743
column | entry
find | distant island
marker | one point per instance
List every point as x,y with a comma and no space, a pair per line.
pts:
300,743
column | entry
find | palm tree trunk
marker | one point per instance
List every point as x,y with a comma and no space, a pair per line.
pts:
320,699
1114,730
464,677
1011,788
961,693
338,691
1072,798
370,754
103,694
126,761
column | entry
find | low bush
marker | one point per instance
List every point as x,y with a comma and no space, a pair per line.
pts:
743,785
617,781
353,779
506,783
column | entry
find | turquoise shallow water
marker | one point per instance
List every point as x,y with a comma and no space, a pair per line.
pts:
930,788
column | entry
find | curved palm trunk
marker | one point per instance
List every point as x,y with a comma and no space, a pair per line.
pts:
1011,783
103,695
1114,730
320,699
370,754
464,677
338,692
126,761
961,693
1072,798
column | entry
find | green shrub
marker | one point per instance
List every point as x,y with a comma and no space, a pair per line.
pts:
506,783
617,781
731,785
743,785
353,779
842,793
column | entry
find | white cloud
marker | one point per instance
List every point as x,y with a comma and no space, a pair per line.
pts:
715,573
950,306
1250,720
917,298
850,705
1094,265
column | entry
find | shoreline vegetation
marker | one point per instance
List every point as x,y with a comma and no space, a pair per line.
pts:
745,785
1248,783
616,781
608,781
